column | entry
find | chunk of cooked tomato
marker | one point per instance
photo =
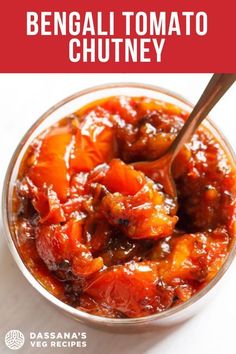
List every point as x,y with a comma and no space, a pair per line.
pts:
94,144
122,106
123,178
48,206
196,257
131,289
50,168
61,249
135,205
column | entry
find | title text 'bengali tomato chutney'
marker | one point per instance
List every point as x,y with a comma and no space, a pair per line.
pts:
102,236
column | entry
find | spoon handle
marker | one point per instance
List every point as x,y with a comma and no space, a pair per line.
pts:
215,89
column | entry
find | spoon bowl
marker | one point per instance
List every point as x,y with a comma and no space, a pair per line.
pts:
160,171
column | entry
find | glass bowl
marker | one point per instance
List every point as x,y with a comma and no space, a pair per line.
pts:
63,108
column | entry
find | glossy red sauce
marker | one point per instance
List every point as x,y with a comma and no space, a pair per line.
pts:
104,237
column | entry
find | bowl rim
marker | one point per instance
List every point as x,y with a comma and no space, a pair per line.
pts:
76,313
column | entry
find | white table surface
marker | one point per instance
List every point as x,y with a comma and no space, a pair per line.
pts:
23,98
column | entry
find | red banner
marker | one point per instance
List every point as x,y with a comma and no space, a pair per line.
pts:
117,36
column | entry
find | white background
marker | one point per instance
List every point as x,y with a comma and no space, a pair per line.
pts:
23,98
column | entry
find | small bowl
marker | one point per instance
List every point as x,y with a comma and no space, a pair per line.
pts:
63,108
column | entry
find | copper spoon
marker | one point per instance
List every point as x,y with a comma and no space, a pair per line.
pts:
160,170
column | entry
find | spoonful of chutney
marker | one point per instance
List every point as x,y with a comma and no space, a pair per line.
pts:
161,170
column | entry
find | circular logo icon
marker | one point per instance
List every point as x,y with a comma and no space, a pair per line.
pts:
14,339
